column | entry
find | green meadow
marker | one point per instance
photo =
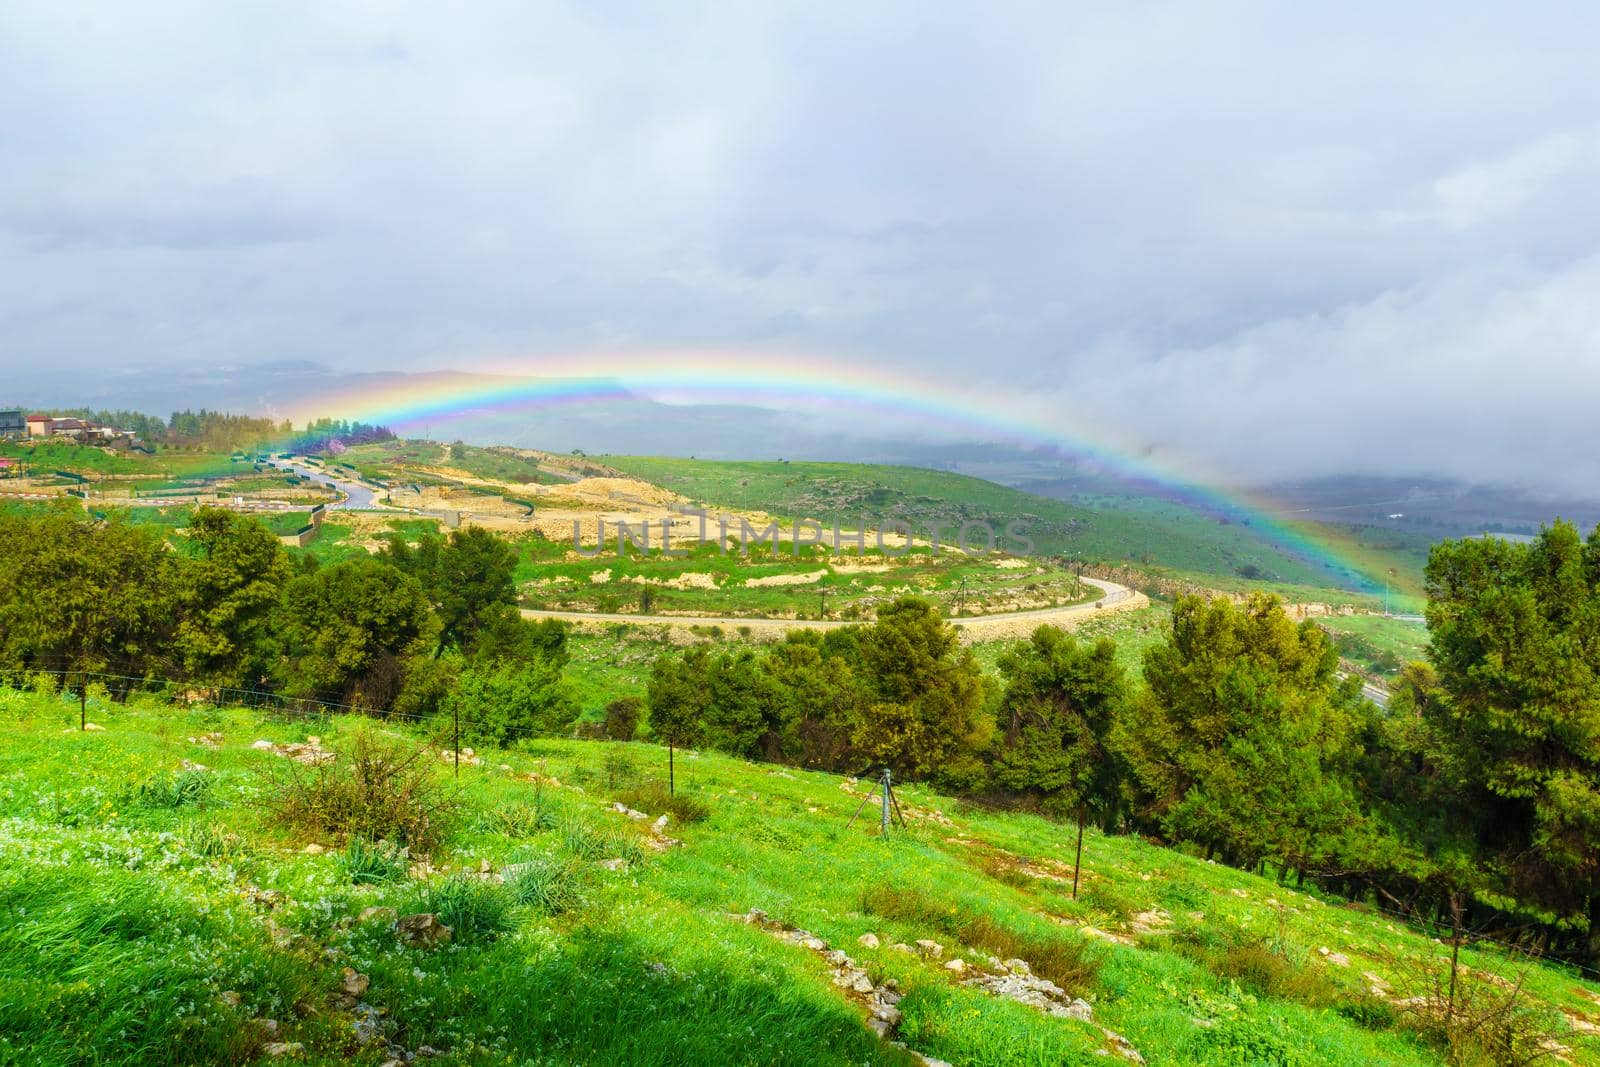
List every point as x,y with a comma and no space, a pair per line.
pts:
158,905
1152,534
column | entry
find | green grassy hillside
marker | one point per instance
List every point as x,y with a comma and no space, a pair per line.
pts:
152,910
1148,532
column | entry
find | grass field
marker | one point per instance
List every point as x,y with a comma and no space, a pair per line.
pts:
1143,531
392,461
151,913
1377,644
765,583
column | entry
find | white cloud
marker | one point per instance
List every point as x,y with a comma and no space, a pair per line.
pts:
1367,212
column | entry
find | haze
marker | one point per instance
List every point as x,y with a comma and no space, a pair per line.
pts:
1279,241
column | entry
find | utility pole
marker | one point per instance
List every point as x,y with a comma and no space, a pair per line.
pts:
456,744
961,601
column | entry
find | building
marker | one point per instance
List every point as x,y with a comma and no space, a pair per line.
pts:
13,423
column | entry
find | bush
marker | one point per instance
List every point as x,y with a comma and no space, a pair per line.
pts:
473,908
520,819
622,718
620,768
212,842
583,841
501,703
654,799
170,789
364,863
548,886
381,789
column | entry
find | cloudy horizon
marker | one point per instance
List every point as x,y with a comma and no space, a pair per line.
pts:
1283,243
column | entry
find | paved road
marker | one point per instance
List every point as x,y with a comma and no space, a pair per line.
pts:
356,494
1117,598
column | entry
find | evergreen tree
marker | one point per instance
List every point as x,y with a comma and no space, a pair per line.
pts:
230,582
1516,641
1060,701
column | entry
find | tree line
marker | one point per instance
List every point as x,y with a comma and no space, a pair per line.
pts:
1473,797
1475,793
220,431
417,630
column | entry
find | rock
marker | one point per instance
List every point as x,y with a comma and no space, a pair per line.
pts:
266,1026
956,965
368,1024
279,1049
1039,993
423,930
191,765
930,949
1338,959
210,740
616,864
262,745
838,957
230,998
901,946
862,984
868,940
660,825
314,849
1017,966
93,727
879,1026
755,916
383,915
354,983
1123,1046
812,942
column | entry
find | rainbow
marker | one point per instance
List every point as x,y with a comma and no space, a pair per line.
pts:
417,404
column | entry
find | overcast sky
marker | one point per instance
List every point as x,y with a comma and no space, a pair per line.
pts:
1277,240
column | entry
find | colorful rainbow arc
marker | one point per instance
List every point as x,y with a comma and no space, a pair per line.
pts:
422,402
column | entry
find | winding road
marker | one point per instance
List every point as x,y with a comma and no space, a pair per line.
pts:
357,495
1001,624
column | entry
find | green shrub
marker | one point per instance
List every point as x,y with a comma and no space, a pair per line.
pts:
380,789
1261,1042
548,886
654,799
503,702
212,842
587,842
620,767
622,718
519,819
474,908
365,863
171,789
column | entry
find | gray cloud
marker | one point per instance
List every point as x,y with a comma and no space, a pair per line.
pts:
1365,234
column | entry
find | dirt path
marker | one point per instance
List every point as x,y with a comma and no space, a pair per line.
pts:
974,628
